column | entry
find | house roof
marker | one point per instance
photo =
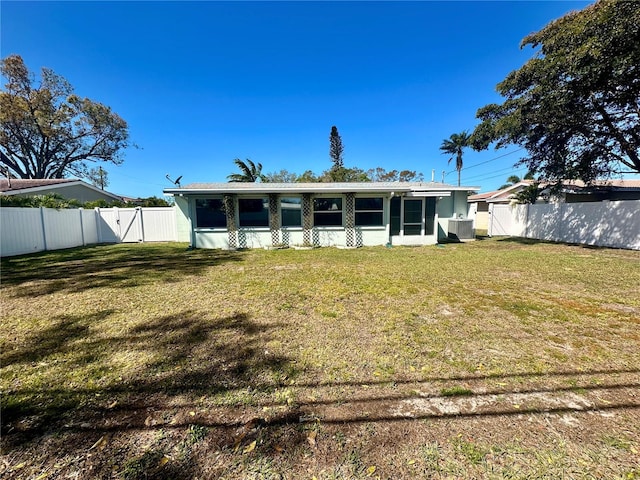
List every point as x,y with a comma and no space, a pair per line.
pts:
36,186
504,195
573,186
16,184
333,187
612,184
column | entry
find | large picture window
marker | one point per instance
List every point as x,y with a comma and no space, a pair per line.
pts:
210,213
291,211
253,212
327,211
369,211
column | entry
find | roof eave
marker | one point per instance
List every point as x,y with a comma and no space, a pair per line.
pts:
318,188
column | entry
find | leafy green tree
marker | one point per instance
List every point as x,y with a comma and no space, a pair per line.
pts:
528,194
152,202
379,174
307,177
283,176
575,105
249,171
337,172
50,200
46,131
354,174
454,146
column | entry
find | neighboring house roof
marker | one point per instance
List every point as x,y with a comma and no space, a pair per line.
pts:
316,187
16,184
27,187
568,186
614,184
500,196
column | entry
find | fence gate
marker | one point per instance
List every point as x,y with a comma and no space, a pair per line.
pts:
120,225
500,220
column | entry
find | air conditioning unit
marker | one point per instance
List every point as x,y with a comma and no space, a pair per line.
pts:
460,229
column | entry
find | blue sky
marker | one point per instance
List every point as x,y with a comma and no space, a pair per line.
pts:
202,83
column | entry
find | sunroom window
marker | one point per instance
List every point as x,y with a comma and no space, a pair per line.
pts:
210,213
253,212
369,211
291,211
327,211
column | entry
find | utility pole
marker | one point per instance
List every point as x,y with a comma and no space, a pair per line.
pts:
101,177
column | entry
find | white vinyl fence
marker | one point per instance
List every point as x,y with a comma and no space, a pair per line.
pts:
29,230
605,224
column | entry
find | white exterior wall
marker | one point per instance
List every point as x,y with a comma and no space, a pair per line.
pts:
183,224
260,238
372,236
460,206
254,237
295,234
205,238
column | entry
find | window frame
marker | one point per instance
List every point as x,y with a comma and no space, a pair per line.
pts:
282,224
380,211
219,198
265,208
328,212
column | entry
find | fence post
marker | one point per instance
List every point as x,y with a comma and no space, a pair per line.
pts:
44,229
80,210
490,220
561,221
99,223
140,224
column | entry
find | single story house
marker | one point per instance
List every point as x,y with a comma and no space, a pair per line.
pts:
250,215
68,188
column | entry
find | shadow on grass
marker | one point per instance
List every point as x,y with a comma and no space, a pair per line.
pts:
173,355
196,358
535,241
123,265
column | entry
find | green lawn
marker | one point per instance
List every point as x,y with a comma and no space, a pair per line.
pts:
492,359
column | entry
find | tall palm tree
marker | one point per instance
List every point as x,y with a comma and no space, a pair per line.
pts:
454,146
249,172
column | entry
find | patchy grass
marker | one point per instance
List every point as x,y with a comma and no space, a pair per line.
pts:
493,359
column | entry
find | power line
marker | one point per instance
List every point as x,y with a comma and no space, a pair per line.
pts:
487,161
505,170
502,174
